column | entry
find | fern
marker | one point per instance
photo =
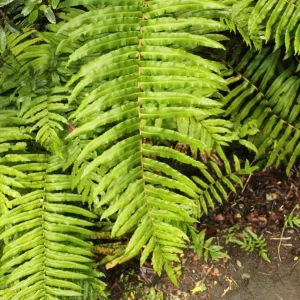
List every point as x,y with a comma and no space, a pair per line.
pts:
43,226
205,247
44,235
45,252
248,240
269,20
135,76
292,220
47,239
117,151
106,115
267,95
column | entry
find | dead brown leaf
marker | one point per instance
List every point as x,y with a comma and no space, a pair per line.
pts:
215,272
220,218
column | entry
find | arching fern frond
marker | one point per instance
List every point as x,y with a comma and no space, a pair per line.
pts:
135,79
267,94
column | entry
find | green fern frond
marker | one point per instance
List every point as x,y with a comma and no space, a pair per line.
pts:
237,20
37,91
215,183
139,77
13,142
48,252
205,247
15,45
248,240
270,20
268,96
44,116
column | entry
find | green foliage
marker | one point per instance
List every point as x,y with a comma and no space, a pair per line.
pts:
205,247
264,21
122,117
43,227
215,188
292,220
28,11
128,95
247,240
134,290
265,90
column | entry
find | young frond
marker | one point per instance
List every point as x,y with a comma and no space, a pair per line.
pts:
292,220
248,240
204,247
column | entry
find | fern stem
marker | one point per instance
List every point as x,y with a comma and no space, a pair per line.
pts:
290,3
140,122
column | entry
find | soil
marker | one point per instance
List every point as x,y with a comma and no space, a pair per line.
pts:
267,197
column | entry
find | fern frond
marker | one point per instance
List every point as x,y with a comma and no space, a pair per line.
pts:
37,87
48,252
214,184
136,76
270,20
45,114
13,143
248,240
15,45
263,94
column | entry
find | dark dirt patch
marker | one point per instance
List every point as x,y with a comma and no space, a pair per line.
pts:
253,278
269,196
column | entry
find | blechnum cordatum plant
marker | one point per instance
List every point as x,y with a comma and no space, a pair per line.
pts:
118,122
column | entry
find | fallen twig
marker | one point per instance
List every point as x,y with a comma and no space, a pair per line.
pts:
278,296
207,273
249,177
295,264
